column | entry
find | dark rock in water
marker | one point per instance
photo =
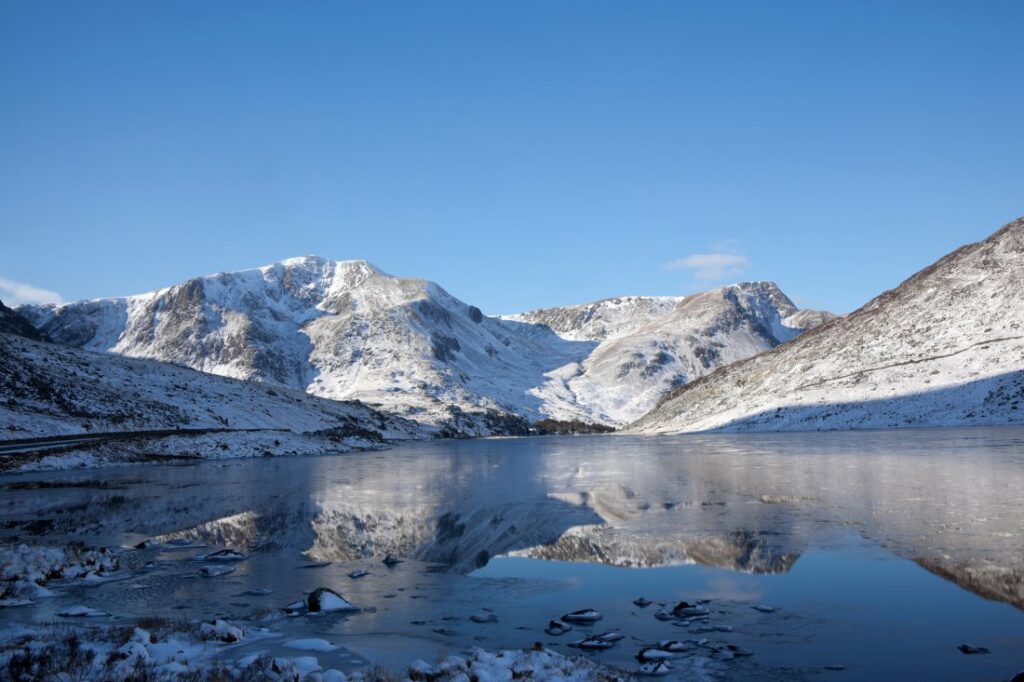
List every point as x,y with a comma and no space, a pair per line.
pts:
685,609
642,603
592,644
650,653
391,561
968,649
324,599
258,592
147,544
222,555
555,628
446,632
355,575
214,571
764,609
1019,677
835,667
738,650
610,636
182,542
484,618
675,646
655,669
582,616
318,564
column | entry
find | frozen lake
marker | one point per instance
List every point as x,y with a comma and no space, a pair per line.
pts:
880,552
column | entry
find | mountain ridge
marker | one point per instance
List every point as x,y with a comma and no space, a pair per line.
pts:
900,360
348,330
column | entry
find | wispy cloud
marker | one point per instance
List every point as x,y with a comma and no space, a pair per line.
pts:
17,293
709,267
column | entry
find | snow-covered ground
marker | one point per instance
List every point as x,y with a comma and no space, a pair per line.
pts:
53,390
345,330
202,651
944,348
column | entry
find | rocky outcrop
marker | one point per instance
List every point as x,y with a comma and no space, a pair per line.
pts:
13,323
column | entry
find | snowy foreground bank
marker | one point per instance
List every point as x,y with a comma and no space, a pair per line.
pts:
187,651
84,645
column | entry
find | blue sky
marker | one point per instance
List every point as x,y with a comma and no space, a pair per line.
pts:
521,154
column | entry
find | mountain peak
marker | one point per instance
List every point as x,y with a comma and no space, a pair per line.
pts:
314,262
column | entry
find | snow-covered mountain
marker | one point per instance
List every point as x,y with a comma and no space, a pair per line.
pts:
946,347
345,330
648,346
339,330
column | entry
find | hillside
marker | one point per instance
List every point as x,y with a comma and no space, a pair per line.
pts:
51,390
946,347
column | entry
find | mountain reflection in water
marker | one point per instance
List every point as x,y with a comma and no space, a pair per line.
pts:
946,499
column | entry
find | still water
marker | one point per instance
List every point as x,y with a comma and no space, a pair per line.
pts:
880,552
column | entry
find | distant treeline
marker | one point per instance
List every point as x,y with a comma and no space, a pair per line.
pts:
558,427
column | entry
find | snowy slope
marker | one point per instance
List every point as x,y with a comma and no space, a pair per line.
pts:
946,347
345,330
602,320
48,389
808,319
648,346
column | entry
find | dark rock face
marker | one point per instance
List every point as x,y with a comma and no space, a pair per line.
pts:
13,323
444,347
